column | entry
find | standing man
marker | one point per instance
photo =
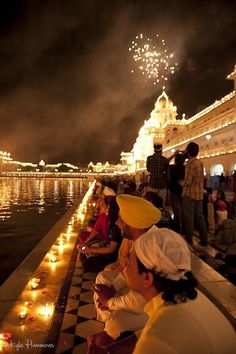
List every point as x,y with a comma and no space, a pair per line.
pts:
157,165
176,178
192,196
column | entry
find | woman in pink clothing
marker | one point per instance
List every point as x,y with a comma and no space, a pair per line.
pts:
99,230
221,210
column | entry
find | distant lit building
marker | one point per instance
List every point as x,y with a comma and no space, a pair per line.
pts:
7,164
214,129
6,161
106,168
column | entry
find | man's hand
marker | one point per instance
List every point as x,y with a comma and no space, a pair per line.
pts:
85,250
87,241
101,306
181,182
104,293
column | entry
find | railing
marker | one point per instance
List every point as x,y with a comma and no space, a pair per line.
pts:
88,175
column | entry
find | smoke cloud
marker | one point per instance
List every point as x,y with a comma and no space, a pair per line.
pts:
67,92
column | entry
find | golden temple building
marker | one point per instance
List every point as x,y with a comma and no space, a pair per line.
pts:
213,129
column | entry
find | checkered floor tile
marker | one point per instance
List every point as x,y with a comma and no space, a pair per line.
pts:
80,318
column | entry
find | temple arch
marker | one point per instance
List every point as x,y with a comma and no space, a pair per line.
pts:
233,167
216,170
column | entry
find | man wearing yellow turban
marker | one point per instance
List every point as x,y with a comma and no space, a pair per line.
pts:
119,307
137,212
159,270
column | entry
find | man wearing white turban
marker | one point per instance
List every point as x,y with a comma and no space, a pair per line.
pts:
181,319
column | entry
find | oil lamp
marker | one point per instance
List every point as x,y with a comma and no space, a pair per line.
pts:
34,283
2,344
69,229
22,314
61,242
52,266
46,310
52,257
81,217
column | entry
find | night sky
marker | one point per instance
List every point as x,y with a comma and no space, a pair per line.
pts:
66,89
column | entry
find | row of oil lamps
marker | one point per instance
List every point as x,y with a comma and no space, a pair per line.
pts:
34,283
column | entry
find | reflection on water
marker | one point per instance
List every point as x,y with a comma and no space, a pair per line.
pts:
30,193
28,209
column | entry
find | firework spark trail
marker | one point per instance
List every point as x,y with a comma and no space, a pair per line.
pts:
152,58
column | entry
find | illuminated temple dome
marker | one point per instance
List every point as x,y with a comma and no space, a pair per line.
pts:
165,110
152,131
213,129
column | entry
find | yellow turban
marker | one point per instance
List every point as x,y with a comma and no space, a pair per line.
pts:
137,212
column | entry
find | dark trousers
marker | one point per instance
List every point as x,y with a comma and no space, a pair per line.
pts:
176,204
193,215
95,263
102,343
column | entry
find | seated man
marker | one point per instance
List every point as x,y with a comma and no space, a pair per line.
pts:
119,307
181,319
120,263
112,270
159,269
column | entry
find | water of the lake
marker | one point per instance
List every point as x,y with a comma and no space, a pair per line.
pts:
29,207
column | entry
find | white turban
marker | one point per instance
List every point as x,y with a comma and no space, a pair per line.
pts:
108,192
164,251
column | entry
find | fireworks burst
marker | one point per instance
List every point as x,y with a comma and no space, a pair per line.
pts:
153,58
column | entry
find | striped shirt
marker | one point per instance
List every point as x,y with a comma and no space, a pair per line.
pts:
193,181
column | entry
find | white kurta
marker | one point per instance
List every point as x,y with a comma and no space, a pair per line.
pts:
194,327
126,308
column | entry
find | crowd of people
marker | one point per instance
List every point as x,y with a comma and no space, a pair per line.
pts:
192,201
185,182
145,292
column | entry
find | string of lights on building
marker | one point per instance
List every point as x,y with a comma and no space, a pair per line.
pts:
214,122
